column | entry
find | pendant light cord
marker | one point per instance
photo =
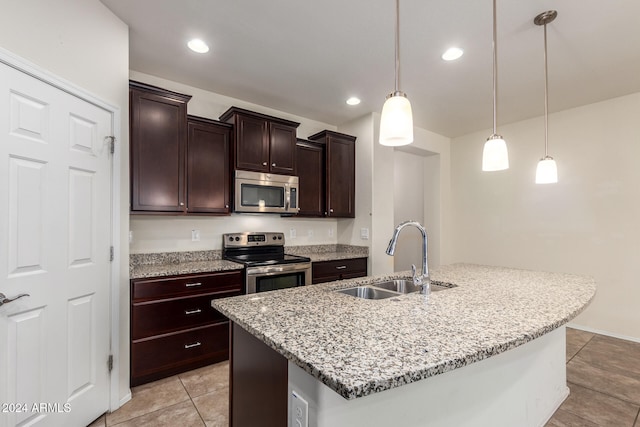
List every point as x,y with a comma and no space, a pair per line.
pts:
397,47
546,97
495,72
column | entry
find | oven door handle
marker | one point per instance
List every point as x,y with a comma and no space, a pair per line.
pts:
282,268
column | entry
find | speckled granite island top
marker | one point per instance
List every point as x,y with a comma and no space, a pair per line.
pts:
358,347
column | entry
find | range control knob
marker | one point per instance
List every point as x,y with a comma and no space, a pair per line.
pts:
231,238
237,238
279,237
274,237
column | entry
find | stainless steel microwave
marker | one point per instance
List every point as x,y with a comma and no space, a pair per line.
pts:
265,193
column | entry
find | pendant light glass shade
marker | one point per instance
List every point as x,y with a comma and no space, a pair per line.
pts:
547,171
495,156
396,122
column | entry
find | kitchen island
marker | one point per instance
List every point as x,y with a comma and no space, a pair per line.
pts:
489,351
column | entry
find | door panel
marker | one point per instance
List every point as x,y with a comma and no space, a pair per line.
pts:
55,170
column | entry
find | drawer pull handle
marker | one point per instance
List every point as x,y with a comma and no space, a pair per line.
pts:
193,311
195,344
191,285
341,267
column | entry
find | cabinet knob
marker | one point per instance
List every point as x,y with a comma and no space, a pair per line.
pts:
273,164
331,210
226,206
264,163
181,203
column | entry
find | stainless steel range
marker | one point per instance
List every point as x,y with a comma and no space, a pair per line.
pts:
267,267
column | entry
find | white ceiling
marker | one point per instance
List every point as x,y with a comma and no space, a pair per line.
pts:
307,57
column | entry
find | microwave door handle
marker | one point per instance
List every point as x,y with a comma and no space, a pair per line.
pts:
287,199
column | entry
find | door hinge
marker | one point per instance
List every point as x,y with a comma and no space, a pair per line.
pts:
111,253
110,362
112,144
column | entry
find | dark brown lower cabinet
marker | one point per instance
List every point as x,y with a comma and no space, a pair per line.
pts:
328,271
259,380
173,326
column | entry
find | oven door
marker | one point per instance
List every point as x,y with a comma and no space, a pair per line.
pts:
272,277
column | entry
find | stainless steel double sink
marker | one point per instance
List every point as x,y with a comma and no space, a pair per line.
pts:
388,289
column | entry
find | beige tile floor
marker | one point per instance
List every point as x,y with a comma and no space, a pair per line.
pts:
195,398
603,374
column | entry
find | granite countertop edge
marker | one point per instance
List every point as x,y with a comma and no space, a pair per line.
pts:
461,275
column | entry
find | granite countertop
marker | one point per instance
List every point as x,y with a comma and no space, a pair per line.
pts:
358,347
331,256
318,253
173,263
188,267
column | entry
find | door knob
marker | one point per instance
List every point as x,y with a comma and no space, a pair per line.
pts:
5,300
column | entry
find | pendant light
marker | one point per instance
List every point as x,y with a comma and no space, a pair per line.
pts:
494,155
547,171
396,121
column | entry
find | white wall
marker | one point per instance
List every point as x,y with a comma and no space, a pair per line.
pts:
377,193
587,223
409,195
173,233
82,42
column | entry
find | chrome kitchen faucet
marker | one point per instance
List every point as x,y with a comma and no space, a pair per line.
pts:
421,280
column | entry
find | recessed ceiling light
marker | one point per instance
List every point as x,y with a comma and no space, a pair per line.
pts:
198,45
452,53
353,101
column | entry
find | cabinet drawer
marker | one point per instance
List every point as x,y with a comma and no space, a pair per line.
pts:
168,354
144,289
158,317
327,271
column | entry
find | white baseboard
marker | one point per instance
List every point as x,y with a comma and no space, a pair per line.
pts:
125,399
601,332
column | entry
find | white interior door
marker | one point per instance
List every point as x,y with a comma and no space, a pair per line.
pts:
55,223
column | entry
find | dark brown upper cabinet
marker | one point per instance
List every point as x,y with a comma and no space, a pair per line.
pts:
340,172
208,171
179,164
158,126
310,158
262,143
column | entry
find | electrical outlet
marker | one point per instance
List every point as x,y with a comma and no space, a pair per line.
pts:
364,233
331,232
310,233
130,236
292,233
300,410
195,235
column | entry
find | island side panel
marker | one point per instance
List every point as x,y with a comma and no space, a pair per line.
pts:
521,387
258,386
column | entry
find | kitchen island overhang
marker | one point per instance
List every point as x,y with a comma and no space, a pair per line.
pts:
360,347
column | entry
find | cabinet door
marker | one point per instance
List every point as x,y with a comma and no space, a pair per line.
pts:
208,168
310,162
158,139
252,144
341,177
282,149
